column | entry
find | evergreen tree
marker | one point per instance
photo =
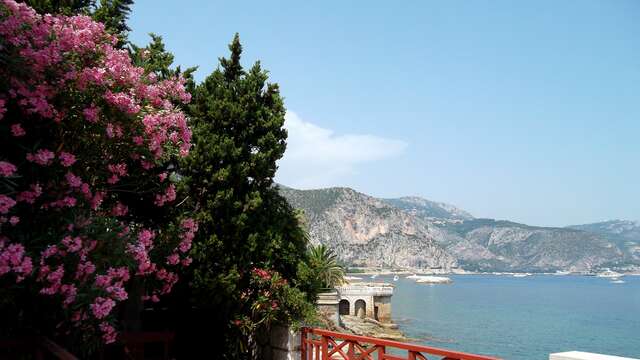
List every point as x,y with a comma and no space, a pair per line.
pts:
244,223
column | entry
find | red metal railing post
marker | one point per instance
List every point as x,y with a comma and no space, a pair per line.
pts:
350,351
325,348
381,352
303,343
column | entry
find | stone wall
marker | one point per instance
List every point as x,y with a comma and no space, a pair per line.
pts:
327,304
383,303
281,343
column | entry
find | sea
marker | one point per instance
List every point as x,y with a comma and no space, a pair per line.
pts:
520,318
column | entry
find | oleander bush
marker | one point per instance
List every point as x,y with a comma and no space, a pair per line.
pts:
88,142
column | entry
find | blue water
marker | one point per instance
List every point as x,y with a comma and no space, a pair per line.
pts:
522,318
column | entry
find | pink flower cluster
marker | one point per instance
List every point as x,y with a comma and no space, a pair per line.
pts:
261,273
130,125
7,169
13,259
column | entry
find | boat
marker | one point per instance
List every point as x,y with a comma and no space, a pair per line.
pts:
395,278
521,275
414,276
617,281
433,280
560,273
374,276
609,274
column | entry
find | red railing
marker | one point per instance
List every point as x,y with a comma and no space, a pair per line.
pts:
318,344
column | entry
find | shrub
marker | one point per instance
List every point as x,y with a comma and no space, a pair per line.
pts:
87,141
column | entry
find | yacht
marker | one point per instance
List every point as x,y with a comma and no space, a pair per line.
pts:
521,275
617,281
609,274
560,273
395,278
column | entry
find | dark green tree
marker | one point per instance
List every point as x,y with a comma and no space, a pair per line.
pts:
244,223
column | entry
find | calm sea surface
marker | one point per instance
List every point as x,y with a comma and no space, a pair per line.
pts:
521,318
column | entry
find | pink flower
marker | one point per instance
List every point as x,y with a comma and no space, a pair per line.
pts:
145,237
66,159
68,291
122,101
173,259
91,114
14,220
17,130
97,199
73,180
6,203
108,333
13,258
117,170
41,157
7,169
119,209
3,109
110,133
30,196
168,196
102,307
84,269
73,244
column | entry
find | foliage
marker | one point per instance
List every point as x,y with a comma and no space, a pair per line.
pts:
324,266
267,300
238,120
87,142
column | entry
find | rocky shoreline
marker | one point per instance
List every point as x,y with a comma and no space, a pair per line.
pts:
372,328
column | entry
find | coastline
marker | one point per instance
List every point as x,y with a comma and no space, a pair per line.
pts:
417,271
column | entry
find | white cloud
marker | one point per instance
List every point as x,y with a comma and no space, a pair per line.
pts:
317,157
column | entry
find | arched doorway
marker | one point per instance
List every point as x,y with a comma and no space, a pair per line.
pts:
343,307
361,309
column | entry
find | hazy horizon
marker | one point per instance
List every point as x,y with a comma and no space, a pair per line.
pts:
508,110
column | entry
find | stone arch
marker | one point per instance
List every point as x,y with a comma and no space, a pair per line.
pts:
360,308
343,307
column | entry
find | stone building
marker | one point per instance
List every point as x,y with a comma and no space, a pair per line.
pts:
371,300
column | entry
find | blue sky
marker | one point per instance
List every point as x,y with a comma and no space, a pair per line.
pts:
510,110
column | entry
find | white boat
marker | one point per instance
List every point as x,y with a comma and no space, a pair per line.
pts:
395,278
609,274
521,275
617,281
433,280
414,276
374,276
559,273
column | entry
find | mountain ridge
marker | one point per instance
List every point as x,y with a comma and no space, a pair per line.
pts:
416,232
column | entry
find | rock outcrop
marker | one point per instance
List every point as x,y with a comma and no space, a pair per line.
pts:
365,231
412,232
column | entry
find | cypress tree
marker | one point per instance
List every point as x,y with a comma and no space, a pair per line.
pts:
238,118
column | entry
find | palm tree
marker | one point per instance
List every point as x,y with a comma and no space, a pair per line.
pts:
324,263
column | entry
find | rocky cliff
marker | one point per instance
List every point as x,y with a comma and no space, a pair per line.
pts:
365,231
415,232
